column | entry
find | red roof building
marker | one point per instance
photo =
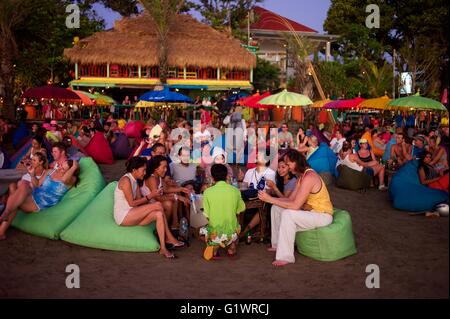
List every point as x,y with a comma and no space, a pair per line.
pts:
267,33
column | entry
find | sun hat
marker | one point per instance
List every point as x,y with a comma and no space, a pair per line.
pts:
420,137
362,141
219,151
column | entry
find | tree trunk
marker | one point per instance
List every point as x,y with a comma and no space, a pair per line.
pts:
163,60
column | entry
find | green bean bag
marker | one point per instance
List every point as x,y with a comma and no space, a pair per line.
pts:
96,228
329,243
51,221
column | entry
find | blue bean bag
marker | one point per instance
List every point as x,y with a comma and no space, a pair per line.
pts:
387,151
5,162
50,222
20,135
323,160
407,193
95,227
121,147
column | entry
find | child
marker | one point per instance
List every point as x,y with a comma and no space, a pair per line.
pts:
221,203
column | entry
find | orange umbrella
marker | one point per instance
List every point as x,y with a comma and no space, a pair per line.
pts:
85,99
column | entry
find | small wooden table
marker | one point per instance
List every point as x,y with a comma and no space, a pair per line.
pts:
258,204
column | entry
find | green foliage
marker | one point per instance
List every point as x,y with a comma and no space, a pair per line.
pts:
228,15
266,75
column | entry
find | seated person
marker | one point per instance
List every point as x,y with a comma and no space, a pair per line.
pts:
368,157
378,140
47,192
37,145
73,152
221,203
186,174
282,188
302,138
401,151
219,157
312,146
308,207
418,146
154,180
70,129
336,142
285,138
439,160
84,136
59,154
257,177
39,164
132,209
430,176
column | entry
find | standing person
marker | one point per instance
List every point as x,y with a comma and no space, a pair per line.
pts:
205,117
285,138
133,209
309,206
221,203
238,134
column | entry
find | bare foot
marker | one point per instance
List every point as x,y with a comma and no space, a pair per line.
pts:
272,249
167,254
279,263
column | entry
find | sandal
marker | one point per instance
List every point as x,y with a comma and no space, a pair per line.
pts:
169,255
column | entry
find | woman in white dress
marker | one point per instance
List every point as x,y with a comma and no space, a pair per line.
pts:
132,209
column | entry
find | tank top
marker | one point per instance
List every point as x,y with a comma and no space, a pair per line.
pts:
365,159
50,192
120,202
320,201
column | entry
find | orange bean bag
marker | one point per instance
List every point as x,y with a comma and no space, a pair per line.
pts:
99,149
377,151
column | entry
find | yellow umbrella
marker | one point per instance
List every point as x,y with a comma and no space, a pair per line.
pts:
378,103
319,104
144,104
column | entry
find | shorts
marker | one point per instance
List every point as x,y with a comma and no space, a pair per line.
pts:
369,171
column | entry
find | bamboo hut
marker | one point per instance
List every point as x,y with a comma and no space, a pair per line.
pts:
127,56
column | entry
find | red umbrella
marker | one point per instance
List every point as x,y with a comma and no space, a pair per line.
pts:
51,92
344,104
252,102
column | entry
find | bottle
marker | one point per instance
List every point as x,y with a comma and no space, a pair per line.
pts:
193,197
251,186
248,241
235,182
184,228
262,184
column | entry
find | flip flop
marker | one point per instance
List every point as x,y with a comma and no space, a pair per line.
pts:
169,256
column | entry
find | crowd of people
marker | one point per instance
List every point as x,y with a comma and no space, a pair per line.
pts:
163,172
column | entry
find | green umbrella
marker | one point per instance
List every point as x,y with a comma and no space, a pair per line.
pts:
415,102
286,98
101,99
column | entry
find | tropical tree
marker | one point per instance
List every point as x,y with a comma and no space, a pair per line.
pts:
378,79
163,13
266,75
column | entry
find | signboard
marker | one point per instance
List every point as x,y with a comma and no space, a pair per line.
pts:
406,83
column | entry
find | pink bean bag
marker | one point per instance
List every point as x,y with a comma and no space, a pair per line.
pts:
99,149
134,129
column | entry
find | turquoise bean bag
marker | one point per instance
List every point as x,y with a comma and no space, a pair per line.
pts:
20,135
51,222
329,243
20,153
387,151
96,228
323,160
408,194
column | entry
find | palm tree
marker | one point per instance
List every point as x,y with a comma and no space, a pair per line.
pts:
379,79
163,13
12,14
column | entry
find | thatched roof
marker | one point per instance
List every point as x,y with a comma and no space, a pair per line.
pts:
133,41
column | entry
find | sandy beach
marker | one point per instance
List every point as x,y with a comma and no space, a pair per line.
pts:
411,252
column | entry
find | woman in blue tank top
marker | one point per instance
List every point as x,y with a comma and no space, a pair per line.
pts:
48,191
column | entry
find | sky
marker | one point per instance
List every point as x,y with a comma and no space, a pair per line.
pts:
311,13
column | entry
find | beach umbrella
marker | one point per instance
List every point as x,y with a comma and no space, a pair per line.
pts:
253,101
86,97
320,104
344,104
416,102
378,103
51,92
101,99
285,98
243,100
165,96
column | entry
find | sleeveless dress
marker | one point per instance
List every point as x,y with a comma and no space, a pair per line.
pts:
121,206
49,193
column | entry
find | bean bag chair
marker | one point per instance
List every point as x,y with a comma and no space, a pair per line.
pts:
50,222
408,194
95,227
21,135
121,147
352,179
323,160
329,243
19,154
134,129
99,149
377,151
4,160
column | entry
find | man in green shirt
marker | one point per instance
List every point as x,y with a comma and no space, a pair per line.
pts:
221,203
